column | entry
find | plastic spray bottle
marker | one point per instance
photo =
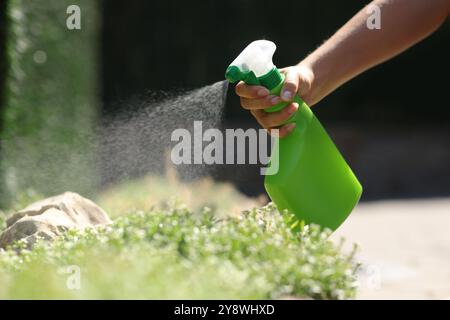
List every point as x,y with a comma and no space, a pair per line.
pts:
313,180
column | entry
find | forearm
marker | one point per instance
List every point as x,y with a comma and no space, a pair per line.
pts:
355,48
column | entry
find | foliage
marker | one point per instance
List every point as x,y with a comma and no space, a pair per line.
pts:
153,190
51,105
175,253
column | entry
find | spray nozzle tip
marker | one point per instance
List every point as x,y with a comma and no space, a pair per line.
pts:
233,74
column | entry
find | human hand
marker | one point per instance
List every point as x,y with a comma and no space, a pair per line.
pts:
298,80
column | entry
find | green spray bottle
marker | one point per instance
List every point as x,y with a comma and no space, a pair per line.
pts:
313,181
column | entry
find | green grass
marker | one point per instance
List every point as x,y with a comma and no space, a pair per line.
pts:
175,253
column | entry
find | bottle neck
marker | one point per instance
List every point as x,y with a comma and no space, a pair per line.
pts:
271,79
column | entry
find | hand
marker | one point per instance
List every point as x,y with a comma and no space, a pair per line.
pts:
299,80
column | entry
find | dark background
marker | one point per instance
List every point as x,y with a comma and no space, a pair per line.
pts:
391,123
172,44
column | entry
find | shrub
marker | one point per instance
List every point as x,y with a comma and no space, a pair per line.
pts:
175,253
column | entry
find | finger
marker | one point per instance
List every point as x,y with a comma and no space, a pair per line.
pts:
274,119
290,86
252,92
258,114
251,104
283,131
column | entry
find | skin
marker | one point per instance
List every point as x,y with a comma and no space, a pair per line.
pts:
353,49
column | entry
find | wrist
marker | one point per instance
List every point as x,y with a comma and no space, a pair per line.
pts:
317,78
308,89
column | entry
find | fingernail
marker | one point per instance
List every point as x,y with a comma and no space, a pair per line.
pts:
263,92
287,95
275,100
292,108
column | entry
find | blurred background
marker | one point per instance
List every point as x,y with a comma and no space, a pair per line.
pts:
391,123
58,86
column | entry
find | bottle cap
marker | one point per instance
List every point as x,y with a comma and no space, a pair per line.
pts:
254,65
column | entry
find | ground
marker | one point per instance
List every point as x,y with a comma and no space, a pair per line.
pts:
404,248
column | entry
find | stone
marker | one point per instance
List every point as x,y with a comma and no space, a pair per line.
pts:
50,217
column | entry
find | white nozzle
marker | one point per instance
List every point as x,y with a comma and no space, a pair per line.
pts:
256,57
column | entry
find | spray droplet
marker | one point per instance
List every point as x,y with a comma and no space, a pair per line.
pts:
40,57
138,141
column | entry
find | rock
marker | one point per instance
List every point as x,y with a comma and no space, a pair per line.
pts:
51,217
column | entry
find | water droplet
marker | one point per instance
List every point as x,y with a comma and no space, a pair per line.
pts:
40,57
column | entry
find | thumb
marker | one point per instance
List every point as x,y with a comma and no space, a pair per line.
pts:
291,84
